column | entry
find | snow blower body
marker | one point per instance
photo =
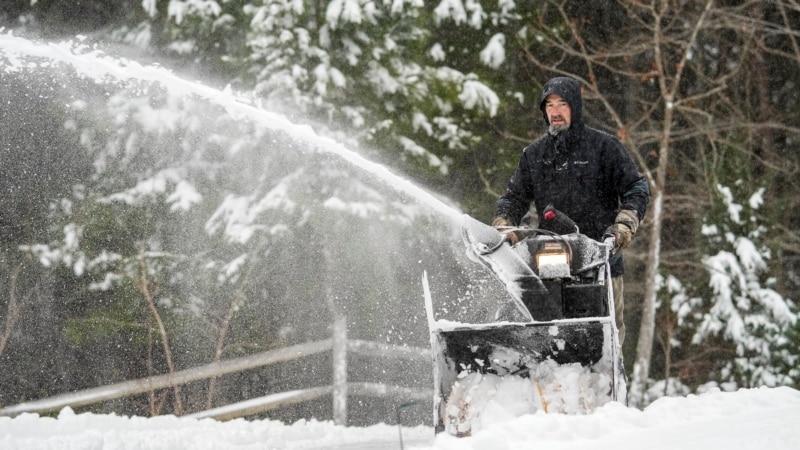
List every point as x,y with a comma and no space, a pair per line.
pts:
563,356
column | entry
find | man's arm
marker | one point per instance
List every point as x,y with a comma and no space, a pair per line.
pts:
636,197
514,204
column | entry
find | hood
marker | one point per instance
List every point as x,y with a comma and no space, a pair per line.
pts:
570,90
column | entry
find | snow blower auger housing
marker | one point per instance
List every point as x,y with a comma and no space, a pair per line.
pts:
563,356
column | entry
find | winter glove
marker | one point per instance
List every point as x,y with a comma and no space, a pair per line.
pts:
502,224
625,226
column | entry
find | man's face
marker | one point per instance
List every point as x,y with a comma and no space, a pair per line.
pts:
558,113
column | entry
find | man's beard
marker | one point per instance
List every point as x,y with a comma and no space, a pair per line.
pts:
555,129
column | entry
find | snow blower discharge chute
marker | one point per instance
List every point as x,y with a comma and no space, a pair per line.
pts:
562,356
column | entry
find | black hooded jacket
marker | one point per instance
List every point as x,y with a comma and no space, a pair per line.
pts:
583,172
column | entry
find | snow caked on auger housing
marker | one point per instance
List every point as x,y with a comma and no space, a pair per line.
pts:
563,356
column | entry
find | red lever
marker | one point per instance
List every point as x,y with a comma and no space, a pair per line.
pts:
549,215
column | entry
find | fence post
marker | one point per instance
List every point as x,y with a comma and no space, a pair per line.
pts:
340,370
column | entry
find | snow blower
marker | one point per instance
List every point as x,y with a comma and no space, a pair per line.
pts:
563,356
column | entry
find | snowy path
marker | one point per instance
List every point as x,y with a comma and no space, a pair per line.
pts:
745,419
379,444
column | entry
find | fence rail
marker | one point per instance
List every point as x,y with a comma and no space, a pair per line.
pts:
274,401
339,389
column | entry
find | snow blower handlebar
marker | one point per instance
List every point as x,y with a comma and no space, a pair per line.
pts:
611,243
558,222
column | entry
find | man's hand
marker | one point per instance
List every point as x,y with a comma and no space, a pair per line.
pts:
625,226
504,226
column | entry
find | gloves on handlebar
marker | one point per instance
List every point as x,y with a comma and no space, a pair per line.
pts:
501,223
625,226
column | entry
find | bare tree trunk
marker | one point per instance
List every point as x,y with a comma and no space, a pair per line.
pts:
220,348
14,307
764,106
144,286
236,303
669,86
644,346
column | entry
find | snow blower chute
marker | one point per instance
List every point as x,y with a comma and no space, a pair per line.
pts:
563,356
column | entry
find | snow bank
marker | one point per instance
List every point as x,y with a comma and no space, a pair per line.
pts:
746,419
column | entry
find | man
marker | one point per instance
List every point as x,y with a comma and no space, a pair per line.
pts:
583,172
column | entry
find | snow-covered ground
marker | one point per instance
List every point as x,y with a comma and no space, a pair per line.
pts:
766,418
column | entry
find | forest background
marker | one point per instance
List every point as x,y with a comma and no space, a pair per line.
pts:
99,271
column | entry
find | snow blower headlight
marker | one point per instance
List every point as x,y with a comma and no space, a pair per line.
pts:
552,261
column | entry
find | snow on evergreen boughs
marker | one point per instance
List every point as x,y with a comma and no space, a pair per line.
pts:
352,66
495,53
203,8
356,69
743,308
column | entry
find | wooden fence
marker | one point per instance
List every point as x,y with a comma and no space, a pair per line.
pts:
339,389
